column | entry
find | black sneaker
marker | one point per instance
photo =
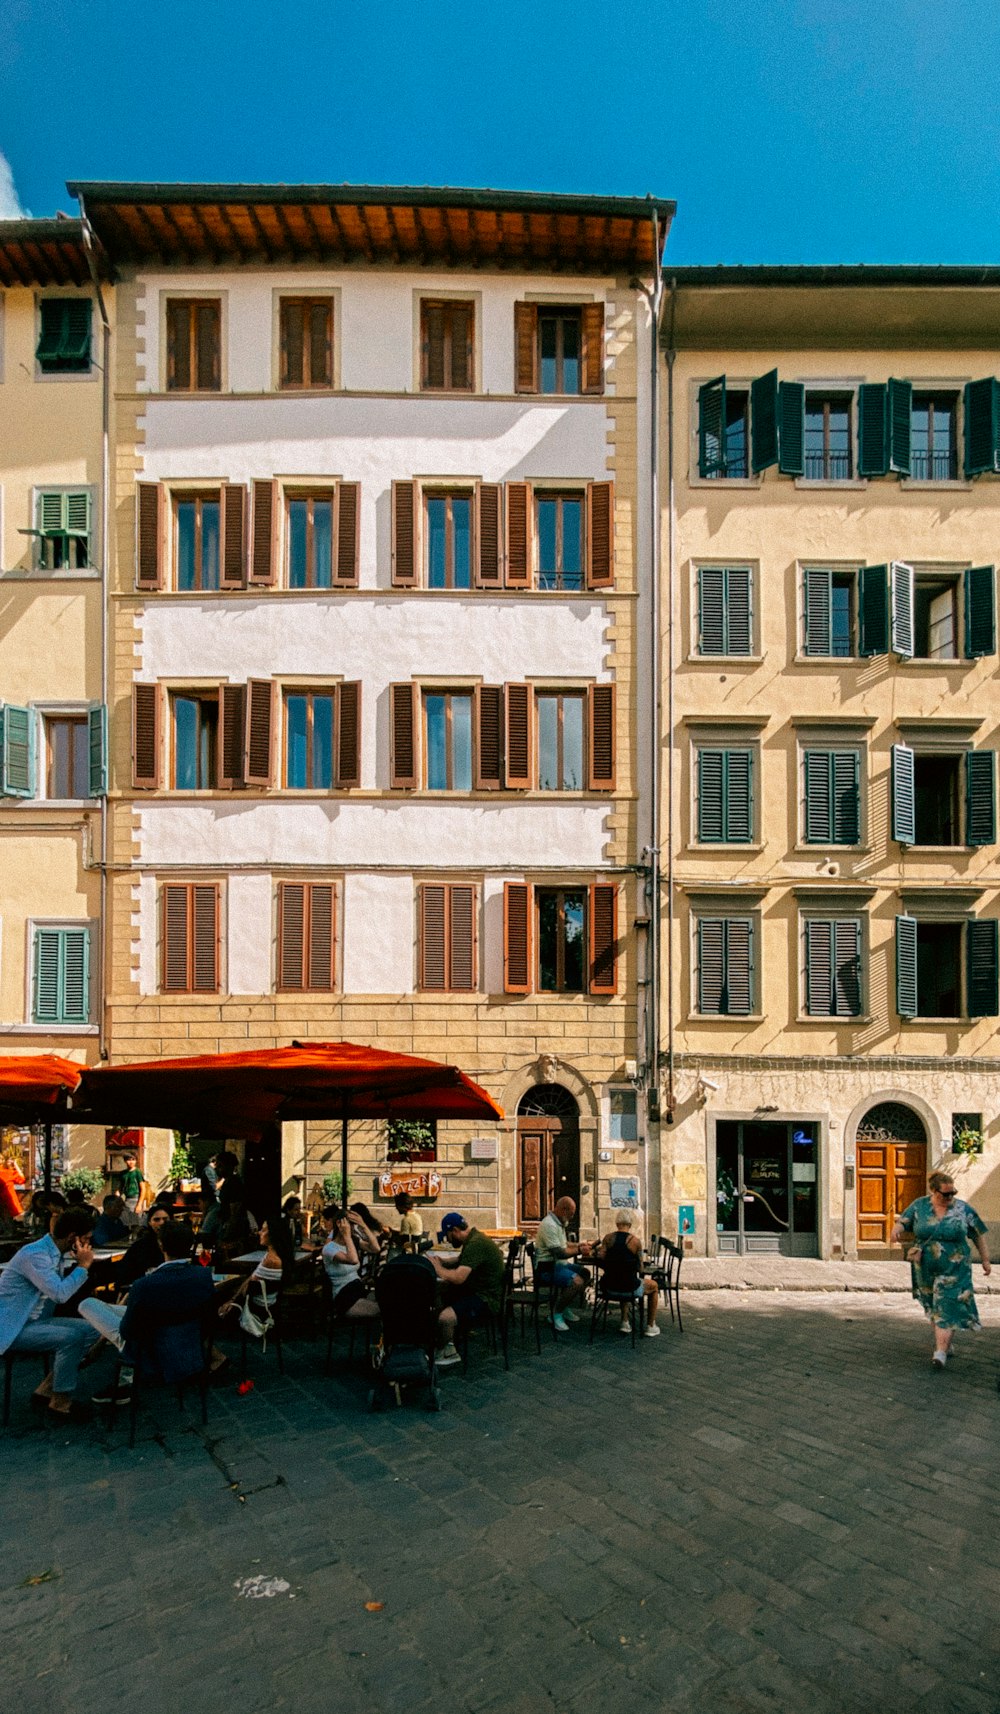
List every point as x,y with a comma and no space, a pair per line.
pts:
113,1396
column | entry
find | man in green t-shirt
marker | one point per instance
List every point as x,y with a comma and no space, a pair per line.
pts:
473,1281
132,1182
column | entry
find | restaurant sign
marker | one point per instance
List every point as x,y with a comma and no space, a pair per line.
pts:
424,1184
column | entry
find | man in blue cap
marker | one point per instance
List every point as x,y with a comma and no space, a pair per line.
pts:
472,1282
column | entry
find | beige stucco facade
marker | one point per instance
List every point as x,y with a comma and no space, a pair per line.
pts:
779,1063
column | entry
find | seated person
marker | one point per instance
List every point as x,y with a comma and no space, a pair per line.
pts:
472,1282
145,1254
161,1327
620,1257
343,1263
273,1270
75,1198
39,1277
373,1231
291,1209
409,1220
110,1228
553,1252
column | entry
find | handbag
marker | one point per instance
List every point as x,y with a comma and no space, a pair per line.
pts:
258,1326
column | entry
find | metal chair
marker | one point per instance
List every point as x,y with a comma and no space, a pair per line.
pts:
141,1382
667,1274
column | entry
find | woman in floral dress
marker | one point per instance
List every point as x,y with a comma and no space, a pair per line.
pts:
940,1259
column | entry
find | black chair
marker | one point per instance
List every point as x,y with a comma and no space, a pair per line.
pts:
622,1287
12,1357
498,1322
673,1256
142,1380
335,1324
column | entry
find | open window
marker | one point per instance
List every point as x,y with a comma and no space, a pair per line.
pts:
828,437
934,437
947,969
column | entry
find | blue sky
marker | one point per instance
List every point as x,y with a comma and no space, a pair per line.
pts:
786,130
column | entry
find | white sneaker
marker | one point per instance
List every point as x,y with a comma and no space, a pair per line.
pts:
940,1358
560,1324
652,1331
446,1357
626,1326
569,1315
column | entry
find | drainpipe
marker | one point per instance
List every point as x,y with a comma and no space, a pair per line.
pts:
671,355
652,852
90,242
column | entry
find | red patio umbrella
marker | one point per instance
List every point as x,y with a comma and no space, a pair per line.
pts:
241,1094
33,1091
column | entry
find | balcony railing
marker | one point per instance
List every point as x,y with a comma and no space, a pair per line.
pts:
934,466
828,466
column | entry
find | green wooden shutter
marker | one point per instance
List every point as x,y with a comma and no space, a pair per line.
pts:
980,797
847,968
17,752
97,738
711,796
982,968
980,612
982,426
819,969
62,976
901,586
738,991
739,610
900,416
48,976
711,964
906,966
76,330
873,610
873,429
903,795
845,770
818,604
764,421
712,428
738,797
712,627
818,817
792,428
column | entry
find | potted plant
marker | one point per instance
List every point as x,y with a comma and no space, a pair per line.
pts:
410,1140
331,1189
967,1141
183,1169
85,1178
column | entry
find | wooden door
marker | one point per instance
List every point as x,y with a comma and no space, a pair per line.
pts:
535,1170
890,1176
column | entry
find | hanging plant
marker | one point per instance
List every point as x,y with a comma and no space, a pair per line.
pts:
967,1141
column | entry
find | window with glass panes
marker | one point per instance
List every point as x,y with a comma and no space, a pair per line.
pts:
197,540
624,1116
726,452
448,534
448,740
559,350
310,541
562,939
559,523
560,717
309,736
67,752
64,336
62,525
830,612
828,437
195,721
933,439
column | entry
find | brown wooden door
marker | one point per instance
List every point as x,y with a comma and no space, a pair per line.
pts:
890,1176
535,1170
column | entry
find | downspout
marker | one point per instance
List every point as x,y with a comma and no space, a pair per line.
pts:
652,990
89,241
671,355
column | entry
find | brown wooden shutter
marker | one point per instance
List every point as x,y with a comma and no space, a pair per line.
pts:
321,343
461,939
592,341
175,907
404,534
601,735
349,734
462,316
264,509
433,970
292,342
403,735
233,548
208,345
204,939
150,508
525,348
517,938
321,943
489,540
291,936
603,923
260,732
146,736
432,343
178,345
518,509
232,725
600,535
489,737
518,746
345,558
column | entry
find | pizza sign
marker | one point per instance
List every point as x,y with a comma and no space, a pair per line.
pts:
422,1184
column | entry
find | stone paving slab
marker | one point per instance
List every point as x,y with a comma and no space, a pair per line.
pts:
793,1273
785,1510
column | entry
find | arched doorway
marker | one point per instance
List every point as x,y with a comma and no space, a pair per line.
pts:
548,1151
892,1170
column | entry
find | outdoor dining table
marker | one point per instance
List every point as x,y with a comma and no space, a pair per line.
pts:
252,1257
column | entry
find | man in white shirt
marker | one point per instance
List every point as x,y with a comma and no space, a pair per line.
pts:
35,1280
553,1249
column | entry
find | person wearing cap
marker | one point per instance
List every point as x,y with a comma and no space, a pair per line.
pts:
473,1281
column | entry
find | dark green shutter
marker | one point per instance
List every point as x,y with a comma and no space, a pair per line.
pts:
980,797
818,828
712,428
844,775
906,966
982,971
764,421
739,610
982,426
847,969
792,428
64,342
62,976
819,968
873,429
739,796
17,751
711,964
711,796
902,609
904,828
900,412
980,612
712,610
873,609
97,737
737,998
818,602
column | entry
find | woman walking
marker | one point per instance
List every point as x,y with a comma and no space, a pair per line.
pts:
942,1225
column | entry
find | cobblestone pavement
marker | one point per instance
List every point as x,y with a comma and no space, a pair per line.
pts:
785,1508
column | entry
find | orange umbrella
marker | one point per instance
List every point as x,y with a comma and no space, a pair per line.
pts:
33,1090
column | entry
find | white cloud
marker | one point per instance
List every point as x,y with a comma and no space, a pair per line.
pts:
10,206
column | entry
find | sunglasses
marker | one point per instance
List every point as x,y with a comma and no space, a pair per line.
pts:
947,1193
